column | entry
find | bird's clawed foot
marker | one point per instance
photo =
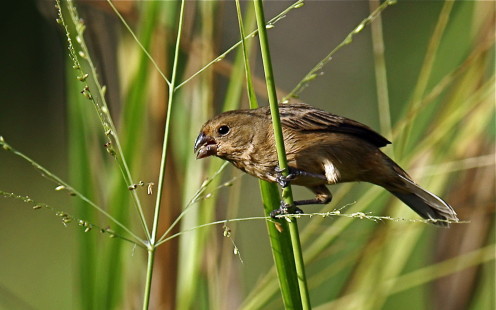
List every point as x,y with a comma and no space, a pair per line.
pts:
293,173
285,209
283,180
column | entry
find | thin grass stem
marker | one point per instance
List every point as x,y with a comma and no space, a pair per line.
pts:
152,244
193,200
249,81
131,32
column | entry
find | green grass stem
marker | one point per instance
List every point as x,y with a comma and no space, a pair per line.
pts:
138,41
249,81
380,73
153,238
283,165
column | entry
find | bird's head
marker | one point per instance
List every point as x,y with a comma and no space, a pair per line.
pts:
227,135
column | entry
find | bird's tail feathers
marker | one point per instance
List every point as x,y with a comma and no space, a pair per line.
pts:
425,203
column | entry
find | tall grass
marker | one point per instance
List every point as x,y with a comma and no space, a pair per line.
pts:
136,179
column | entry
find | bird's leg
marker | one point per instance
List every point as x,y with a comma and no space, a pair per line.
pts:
293,173
315,201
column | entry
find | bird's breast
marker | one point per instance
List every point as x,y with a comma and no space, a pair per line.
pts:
256,169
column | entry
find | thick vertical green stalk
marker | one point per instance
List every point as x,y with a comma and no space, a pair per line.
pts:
280,241
281,152
282,251
323,241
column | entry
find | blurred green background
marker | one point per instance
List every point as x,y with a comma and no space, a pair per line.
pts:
40,259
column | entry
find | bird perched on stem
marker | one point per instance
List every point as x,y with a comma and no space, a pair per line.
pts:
321,149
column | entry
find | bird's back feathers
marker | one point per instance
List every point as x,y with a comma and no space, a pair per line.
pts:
303,117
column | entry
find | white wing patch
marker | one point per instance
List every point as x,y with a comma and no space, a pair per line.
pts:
331,172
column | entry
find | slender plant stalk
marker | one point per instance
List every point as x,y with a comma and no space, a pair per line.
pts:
271,90
138,41
149,274
249,81
167,128
152,243
281,152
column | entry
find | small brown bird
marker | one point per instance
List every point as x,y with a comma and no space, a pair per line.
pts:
321,149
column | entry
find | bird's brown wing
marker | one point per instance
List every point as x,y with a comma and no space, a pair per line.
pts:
303,117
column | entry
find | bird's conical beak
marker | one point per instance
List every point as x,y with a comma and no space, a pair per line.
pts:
205,146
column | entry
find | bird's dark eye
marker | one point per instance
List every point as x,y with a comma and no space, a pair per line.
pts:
223,130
